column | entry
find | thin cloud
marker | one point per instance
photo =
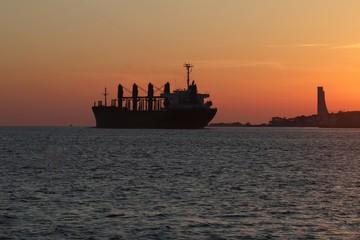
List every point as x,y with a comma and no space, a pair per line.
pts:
310,45
298,45
356,45
240,64
304,45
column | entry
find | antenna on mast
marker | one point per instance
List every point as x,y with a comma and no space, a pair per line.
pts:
105,94
188,67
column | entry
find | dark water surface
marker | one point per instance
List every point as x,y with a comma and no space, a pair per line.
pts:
215,183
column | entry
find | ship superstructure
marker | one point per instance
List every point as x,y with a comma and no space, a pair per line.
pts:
178,109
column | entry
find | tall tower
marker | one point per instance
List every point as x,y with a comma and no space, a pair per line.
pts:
321,109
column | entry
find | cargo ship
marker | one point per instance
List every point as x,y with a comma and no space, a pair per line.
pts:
180,109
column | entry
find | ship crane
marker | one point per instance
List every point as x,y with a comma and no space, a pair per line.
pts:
127,90
142,89
160,89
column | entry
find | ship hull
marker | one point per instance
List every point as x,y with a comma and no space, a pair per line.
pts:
114,117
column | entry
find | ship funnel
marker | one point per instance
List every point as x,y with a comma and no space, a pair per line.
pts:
193,93
120,95
135,96
150,96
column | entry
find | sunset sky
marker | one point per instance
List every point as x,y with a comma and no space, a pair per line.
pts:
257,59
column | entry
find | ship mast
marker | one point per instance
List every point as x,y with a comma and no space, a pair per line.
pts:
188,67
105,95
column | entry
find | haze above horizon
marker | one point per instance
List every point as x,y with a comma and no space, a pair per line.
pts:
257,59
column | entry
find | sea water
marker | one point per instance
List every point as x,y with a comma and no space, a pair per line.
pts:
213,183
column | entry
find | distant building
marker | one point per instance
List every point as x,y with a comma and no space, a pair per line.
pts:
335,120
322,111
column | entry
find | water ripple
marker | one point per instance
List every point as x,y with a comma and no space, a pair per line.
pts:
219,183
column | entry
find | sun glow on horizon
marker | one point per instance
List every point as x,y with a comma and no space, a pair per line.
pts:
256,59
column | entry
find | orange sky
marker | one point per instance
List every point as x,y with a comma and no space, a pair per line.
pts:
257,59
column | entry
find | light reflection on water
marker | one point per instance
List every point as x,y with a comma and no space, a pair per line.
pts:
218,183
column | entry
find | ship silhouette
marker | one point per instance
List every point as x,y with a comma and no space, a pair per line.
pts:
180,109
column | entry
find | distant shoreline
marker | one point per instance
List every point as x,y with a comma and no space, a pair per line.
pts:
299,121
236,124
